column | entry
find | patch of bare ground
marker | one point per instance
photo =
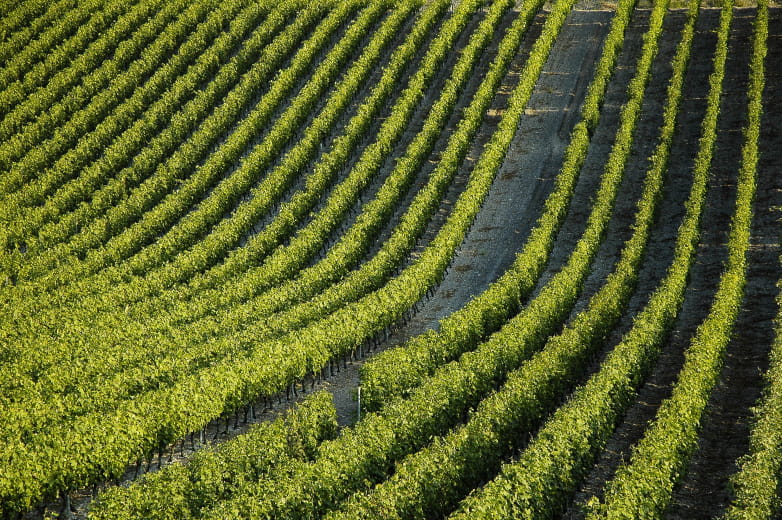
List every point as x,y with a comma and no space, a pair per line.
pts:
594,164
521,186
526,178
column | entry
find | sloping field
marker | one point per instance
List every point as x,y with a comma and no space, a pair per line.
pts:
390,259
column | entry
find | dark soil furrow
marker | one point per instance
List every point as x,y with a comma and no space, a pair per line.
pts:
704,274
645,141
705,491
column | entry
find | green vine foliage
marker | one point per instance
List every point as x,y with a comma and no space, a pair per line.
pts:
181,491
142,143
55,193
427,483
235,320
757,483
548,470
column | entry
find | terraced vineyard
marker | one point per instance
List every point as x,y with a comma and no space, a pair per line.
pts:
390,259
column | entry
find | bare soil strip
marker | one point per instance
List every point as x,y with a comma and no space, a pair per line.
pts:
526,178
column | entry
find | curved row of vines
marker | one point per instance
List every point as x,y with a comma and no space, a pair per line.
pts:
206,206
